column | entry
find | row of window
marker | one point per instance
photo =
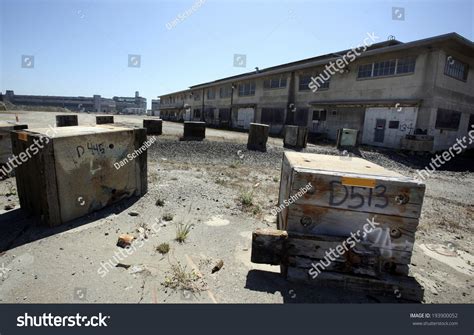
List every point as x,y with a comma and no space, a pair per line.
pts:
387,67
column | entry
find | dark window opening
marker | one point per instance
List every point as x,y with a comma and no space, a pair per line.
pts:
393,124
319,115
301,117
272,115
447,119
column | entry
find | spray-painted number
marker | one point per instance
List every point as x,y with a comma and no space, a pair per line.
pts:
94,149
376,197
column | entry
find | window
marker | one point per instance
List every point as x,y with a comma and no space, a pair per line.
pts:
304,81
197,96
225,92
456,69
447,119
301,117
385,68
247,89
393,124
275,82
365,71
211,94
319,115
406,65
197,113
209,114
272,115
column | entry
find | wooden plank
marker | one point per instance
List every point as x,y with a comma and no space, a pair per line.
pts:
268,246
391,232
390,196
400,287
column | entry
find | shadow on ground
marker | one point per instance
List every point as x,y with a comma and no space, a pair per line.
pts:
18,228
271,282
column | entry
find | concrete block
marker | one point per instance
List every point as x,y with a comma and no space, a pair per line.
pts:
258,137
153,126
104,119
194,131
66,120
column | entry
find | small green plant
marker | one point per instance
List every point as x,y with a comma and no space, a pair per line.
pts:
233,166
256,210
182,232
246,199
163,248
168,217
275,179
160,203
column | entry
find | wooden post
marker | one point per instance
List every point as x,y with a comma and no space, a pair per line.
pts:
104,119
153,126
66,120
258,137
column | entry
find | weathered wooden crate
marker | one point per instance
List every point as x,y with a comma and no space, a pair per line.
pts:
153,126
66,120
194,131
258,137
296,137
323,201
104,119
5,139
77,170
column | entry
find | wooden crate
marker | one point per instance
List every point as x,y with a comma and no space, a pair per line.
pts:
194,131
104,119
323,201
258,137
153,126
66,120
296,137
5,139
79,170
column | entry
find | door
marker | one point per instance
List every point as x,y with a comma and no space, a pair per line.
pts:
379,134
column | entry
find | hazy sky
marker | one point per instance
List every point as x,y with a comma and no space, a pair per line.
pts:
83,47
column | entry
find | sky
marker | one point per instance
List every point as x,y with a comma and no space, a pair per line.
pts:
82,48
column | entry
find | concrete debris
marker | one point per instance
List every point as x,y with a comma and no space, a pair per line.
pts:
218,266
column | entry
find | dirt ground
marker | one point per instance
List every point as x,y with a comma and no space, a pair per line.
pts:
199,185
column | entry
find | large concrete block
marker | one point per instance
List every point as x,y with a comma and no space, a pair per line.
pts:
66,120
258,137
194,131
78,170
153,126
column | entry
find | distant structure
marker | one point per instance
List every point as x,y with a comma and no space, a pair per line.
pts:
155,107
97,104
130,105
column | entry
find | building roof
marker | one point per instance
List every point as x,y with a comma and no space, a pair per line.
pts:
452,39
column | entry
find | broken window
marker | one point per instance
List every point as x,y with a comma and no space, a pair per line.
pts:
319,115
384,68
406,65
211,94
447,119
365,71
225,92
303,84
272,115
247,89
275,82
456,69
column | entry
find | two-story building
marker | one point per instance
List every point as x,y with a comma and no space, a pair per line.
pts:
387,92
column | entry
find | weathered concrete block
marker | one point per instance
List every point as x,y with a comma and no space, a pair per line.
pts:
153,126
78,170
104,119
258,137
296,137
194,131
66,120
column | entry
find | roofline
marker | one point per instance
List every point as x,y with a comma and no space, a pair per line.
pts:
324,59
